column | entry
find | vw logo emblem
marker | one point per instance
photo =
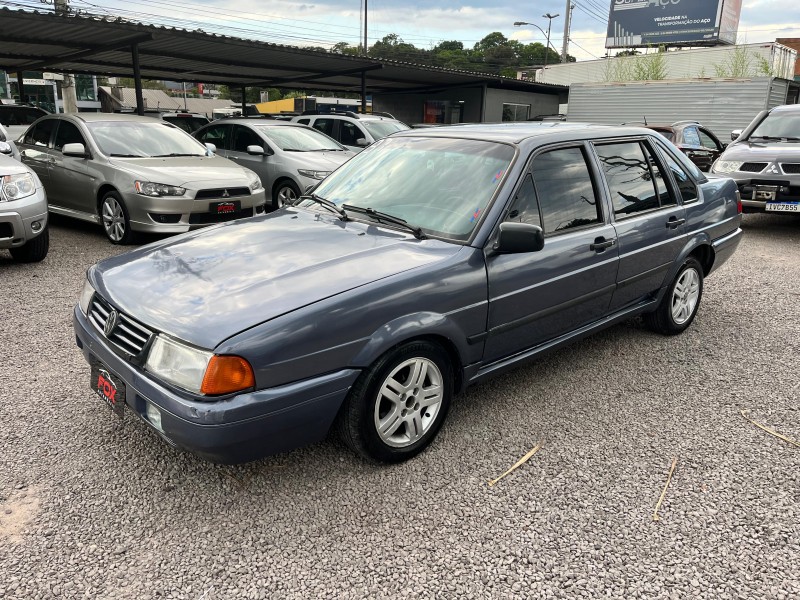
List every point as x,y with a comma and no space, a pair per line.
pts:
225,194
111,322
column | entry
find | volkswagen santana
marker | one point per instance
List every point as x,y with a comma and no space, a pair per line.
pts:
432,260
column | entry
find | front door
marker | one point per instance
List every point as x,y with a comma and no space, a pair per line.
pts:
537,296
71,184
35,150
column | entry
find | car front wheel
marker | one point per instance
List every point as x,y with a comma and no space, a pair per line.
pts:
396,407
679,305
286,193
115,220
34,250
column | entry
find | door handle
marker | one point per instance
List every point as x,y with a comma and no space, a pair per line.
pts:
601,243
674,222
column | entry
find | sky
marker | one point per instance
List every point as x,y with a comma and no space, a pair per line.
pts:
423,24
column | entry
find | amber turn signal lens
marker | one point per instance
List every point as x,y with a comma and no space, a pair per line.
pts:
227,374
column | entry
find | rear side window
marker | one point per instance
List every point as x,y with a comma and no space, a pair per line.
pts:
217,135
40,134
687,187
634,178
565,191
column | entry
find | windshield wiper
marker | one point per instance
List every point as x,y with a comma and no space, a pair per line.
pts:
126,155
327,204
776,138
174,154
382,217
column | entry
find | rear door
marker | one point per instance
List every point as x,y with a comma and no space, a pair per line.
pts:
35,150
536,296
650,223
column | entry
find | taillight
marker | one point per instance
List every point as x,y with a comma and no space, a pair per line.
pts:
738,202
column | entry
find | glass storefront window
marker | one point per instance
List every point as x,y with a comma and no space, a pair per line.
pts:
516,112
84,88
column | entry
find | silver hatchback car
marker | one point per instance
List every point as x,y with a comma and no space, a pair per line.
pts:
287,156
136,174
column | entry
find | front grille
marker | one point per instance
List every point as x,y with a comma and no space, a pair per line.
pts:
128,335
790,168
753,167
209,218
221,193
6,230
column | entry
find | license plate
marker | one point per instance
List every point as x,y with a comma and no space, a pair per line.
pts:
226,207
783,207
109,387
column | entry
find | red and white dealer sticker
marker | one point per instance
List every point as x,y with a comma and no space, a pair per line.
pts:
109,387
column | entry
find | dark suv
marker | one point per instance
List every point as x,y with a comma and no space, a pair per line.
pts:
765,162
695,141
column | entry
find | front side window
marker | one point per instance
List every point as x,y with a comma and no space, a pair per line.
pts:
634,178
708,141
442,185
325,126
349,133
691,137
564,187
525,207
244,137
68,133
138,139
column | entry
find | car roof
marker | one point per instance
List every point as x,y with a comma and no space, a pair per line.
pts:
787,108
256,121
89,117
516,132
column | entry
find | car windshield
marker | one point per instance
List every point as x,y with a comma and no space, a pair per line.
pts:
143,139
297,139
779,125
442,185
380,129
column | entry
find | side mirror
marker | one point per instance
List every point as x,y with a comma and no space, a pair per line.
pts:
5,148
256,150
735,134
76,150
211,148
362,142
515,238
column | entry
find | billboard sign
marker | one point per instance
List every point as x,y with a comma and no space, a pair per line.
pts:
636,23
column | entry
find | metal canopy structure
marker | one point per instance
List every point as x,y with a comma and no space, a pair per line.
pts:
37,41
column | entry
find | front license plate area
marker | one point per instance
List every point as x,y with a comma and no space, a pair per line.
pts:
783,207
767,193
226,207
109,387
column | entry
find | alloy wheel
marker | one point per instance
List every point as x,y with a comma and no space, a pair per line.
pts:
113,219
685,295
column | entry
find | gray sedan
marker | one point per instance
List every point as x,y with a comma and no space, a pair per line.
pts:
287,156
136,174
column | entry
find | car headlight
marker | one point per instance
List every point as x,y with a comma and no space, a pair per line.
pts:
86,297
255,184
198,371
313,174
726,166
147,188
14,187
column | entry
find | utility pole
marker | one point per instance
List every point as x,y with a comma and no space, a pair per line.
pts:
364,73
567,24
68,95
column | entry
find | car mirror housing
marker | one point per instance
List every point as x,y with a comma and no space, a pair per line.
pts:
77,150
735,134
515,238
362,142
255,150
211,148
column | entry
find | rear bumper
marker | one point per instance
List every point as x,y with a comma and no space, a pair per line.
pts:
235,429
724,248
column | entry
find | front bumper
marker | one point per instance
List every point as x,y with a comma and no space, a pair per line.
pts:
181,214
18,216
756,190
235,429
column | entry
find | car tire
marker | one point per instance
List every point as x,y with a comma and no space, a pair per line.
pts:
285,193
115,219
397,406
33,250
680,303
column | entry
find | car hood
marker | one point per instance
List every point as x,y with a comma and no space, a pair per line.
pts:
763,152
11,166
206,286
183,171
320,161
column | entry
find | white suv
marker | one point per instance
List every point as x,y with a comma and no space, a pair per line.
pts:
353,130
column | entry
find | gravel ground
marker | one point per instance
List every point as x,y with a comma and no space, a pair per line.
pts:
89,510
